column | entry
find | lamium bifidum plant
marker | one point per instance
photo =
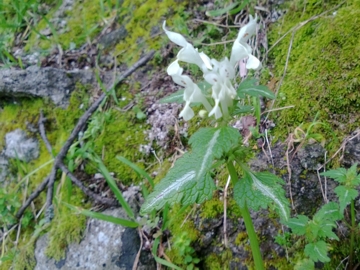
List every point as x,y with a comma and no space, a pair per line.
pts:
190,180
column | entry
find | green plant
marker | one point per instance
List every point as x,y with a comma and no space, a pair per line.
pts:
317,230
349,180
183,245
190,180
320,228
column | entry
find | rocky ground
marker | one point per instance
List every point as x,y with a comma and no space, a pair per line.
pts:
157,136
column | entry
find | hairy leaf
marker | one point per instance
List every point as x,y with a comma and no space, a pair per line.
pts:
260,190
317,251
328,212
346,195
189,181
339,174
298,224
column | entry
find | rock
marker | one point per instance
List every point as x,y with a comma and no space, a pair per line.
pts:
352,150
105,246
19,145
3,168
55,84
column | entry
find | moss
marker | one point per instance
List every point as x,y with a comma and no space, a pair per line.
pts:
143,19
179,224
60,122
212,208
324,67
66,228
218,261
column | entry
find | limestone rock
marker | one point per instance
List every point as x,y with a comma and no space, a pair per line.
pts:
19,145
105,246
55,84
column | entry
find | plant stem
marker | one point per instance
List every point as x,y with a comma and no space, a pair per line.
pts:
254,243
352,233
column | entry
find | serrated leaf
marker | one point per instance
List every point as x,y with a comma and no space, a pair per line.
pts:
356,181
305,264
189,181
326,230
177,97
298,225
250,88
317,251
338,175
260,190
328,212
220,139
346,195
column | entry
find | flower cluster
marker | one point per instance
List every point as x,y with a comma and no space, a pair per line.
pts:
218,74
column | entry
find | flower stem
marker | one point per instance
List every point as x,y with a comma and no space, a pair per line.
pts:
352,233
254,243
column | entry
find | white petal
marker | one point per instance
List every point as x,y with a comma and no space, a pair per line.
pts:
216,110
190,55
174,69
247,30
187,113
238,52
226,70
206,60
175,37
182,80
212,78
253,63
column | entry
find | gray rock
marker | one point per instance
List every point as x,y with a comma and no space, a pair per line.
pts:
3,168
105,246
52,83
19,145
352,150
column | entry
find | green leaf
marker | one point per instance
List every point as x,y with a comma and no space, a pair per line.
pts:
346,195
138,170
243,109
260,190
250,88
189,181
221,11
317,251
305,264
338,175
177,97
100,216
158,259
298,225
112,184
328,212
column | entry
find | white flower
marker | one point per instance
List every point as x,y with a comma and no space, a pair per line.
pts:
192,92
188,53
241,49
218,74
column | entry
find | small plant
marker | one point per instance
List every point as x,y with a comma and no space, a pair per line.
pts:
320,228
183,244
347,193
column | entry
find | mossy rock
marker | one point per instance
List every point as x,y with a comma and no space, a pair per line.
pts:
323,69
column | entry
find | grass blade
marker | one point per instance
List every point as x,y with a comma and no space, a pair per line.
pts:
100,216
112,184
138,170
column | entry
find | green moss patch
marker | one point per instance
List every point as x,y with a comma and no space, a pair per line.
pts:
323,69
